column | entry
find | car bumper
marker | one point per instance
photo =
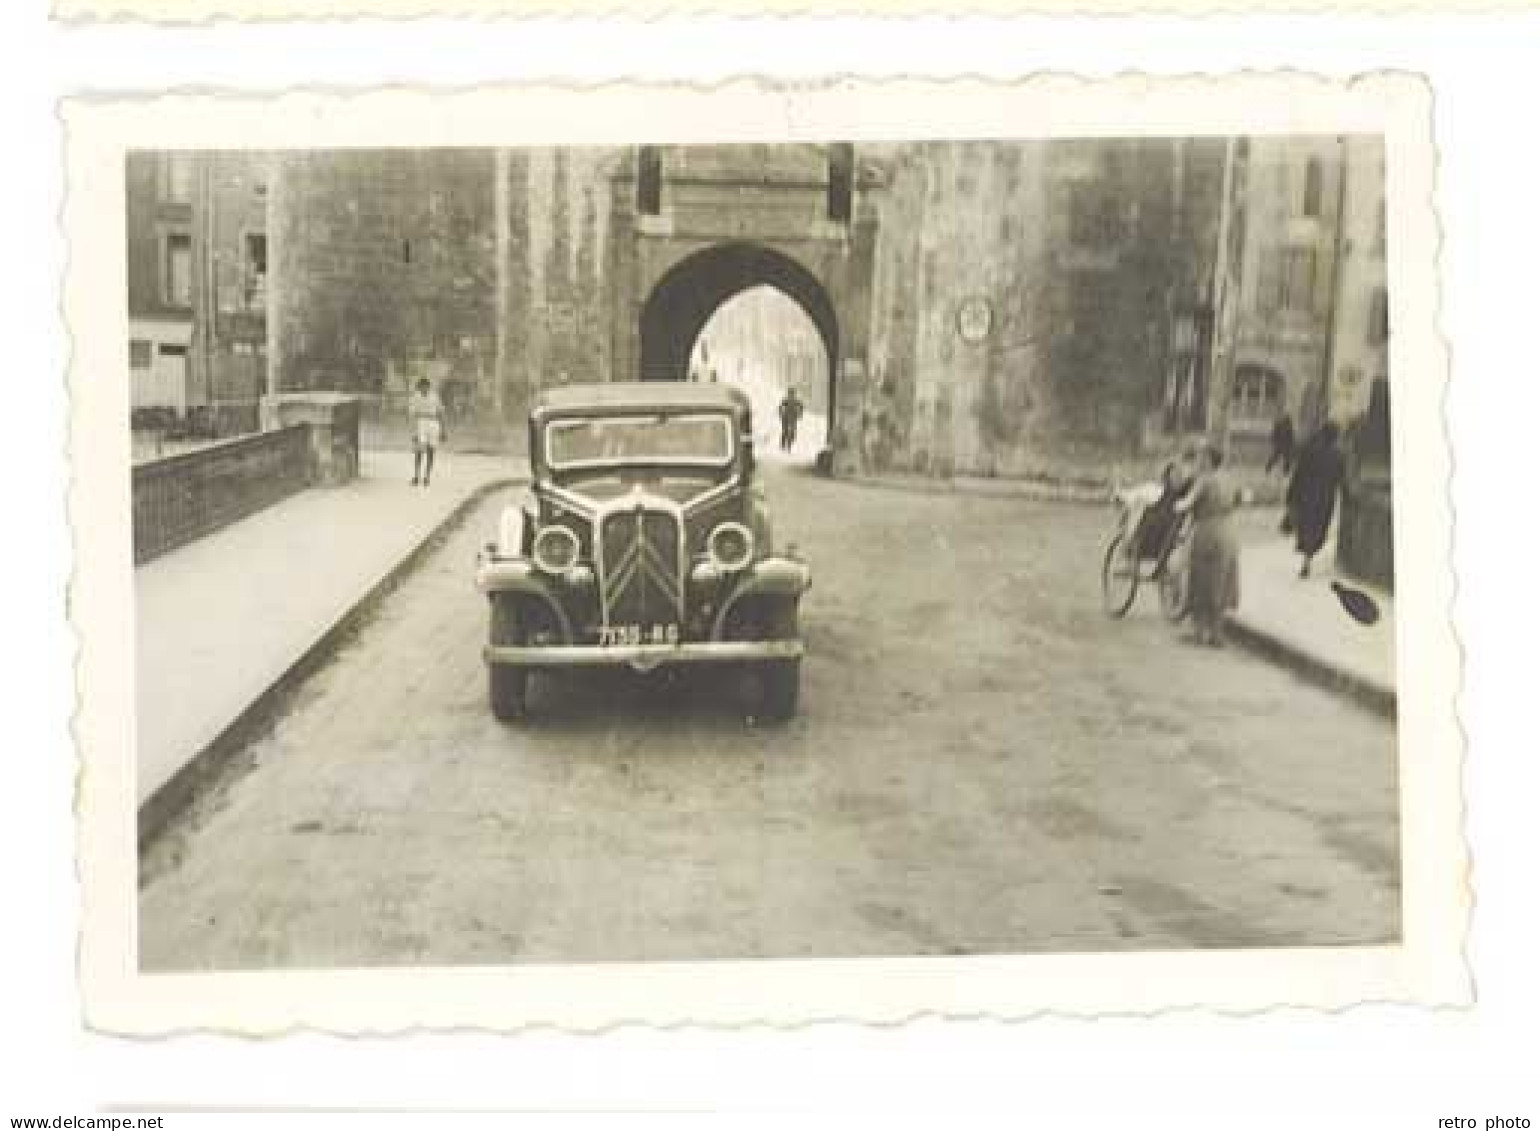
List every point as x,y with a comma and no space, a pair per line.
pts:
642,657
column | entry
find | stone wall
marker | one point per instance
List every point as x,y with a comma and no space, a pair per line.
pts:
385,268
184,497
1084,257
1076,251
391,266
557,260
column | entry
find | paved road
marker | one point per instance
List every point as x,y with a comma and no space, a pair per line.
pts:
984,763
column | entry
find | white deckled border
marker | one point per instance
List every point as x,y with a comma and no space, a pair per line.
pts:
1427,969
208,11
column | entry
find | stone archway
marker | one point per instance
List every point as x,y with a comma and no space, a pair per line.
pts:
686,297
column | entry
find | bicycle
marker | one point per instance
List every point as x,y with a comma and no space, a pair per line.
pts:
1125,567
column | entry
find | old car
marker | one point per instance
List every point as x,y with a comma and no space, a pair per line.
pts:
644,540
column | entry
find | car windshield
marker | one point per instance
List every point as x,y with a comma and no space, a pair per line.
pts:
704,439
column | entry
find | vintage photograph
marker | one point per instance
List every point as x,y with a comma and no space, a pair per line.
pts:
725,550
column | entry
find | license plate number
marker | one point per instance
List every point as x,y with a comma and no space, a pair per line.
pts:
613,634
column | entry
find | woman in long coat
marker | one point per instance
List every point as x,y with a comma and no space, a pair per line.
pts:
1313,491
1213,564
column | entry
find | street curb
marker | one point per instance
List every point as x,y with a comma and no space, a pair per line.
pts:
1030,490
1017,490
1366,693
183,787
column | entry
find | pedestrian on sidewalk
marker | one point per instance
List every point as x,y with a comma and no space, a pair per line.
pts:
1319,477
1213,560
426,413
1282,454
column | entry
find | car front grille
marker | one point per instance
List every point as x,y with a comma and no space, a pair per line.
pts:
641,570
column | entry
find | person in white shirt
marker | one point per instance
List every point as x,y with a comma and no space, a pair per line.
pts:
426,413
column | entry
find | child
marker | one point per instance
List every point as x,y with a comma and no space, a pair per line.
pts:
426,413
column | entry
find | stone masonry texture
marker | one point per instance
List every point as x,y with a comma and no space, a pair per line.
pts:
500,272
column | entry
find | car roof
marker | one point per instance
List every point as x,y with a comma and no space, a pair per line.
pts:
639,394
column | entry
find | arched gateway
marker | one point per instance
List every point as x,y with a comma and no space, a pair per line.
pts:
684,300
697,227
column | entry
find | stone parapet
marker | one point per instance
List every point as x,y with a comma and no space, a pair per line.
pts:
180,498
332,419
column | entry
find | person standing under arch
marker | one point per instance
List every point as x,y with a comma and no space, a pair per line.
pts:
791,414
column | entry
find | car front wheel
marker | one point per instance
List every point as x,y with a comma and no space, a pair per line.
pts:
507,686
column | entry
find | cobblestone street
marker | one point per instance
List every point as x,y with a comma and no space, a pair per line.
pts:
983,762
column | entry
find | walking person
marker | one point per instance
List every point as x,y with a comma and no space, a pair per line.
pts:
791,414
1319,477
425,412
1282,454
1213,557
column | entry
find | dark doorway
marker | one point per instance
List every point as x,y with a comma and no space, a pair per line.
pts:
686,298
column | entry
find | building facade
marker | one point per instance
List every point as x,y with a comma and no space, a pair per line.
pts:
983,308
196,226
1313,329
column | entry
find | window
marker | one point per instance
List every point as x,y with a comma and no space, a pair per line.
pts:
172,349
1093,219
256,254
1288,279
1379,318
255,264
178,269
140,355
841,181
177,178
1258,393
1311,205
1299,279
705,440
649,181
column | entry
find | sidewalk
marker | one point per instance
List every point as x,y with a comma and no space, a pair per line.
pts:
1301,623
221,622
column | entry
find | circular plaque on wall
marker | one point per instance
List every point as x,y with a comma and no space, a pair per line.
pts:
974,319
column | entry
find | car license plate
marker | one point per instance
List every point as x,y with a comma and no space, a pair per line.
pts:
624,634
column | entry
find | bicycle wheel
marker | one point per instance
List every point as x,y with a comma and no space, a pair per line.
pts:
1120,578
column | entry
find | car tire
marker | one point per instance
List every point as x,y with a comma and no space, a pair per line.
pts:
507,686
780,681
508,691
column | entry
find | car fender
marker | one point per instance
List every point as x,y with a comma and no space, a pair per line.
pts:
768,577
516,525
759,518
497,577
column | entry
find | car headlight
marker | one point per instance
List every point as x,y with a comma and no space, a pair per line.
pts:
731,546
556,549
